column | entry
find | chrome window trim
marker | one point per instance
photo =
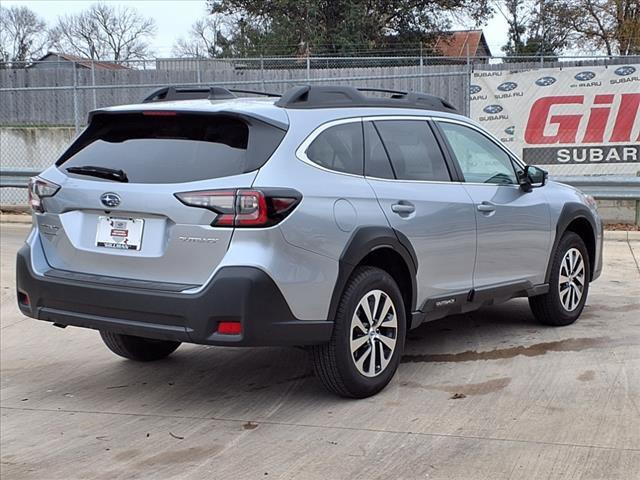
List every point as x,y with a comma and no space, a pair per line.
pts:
375,118
301,151
396,180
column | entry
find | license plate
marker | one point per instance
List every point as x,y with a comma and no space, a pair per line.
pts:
122,233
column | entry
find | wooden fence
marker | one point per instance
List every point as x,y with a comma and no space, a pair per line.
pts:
63,96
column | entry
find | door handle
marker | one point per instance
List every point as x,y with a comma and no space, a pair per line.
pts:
403,208
486,207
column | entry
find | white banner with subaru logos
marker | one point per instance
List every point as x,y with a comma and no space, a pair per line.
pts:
573,121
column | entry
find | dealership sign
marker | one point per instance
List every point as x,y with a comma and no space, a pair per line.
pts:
563,116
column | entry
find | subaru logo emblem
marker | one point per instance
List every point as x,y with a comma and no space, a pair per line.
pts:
584,76
473,89
507,86
110,199
492,109
545,81
624,71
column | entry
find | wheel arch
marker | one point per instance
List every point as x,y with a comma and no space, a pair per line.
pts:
577,218
381,247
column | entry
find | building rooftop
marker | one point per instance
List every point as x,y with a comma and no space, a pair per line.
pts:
461,43
81,61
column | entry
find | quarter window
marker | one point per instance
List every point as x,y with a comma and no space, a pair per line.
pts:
413,150
339,148
481,160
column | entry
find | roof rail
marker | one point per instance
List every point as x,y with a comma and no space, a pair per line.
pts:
382,90
167,94
307,96
255,92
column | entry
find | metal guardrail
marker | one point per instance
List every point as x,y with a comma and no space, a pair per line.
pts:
604,187
16,178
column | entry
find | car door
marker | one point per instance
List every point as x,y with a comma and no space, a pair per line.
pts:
407,170
513,226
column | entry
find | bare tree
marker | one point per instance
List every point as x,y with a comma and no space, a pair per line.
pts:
104,32
79,34
204,38
613,25
23,34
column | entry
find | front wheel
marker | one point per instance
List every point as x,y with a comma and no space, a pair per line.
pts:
138,348
568,284
368,336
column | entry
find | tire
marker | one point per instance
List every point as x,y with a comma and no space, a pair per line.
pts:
370,366
138,348
559,306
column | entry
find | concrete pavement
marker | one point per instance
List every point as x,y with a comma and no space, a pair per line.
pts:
488,395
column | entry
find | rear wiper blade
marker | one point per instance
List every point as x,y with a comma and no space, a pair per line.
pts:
100,172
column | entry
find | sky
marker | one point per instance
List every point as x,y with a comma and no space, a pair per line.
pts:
174,18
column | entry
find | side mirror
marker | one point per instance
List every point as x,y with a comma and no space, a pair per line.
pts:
532,177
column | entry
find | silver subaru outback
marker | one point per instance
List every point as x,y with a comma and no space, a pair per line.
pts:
330,218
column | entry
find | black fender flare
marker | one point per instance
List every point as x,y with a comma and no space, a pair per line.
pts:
570,212
363,241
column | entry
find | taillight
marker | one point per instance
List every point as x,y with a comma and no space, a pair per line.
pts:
244,207
39,189
251,208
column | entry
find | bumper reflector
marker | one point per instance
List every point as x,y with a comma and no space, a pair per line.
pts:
229,328
23,299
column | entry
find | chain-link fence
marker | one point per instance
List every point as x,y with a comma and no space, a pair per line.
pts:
45,104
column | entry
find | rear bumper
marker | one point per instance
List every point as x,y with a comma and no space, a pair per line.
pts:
244,294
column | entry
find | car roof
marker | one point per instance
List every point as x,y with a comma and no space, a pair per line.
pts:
318,104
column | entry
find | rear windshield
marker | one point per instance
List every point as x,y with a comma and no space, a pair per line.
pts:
173,148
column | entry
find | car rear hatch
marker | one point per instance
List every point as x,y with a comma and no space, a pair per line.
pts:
121,214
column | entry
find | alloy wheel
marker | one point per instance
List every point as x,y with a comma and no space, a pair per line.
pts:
373,333
571,281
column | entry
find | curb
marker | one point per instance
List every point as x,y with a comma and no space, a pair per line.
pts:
621,236
15,218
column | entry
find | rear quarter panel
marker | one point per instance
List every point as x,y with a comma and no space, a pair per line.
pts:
333,207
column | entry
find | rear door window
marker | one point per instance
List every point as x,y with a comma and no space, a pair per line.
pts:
173,148
413,150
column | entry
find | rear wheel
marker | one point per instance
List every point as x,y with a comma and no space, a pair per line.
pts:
138,348
368,336
568,284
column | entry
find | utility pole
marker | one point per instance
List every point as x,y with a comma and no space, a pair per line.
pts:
542,33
